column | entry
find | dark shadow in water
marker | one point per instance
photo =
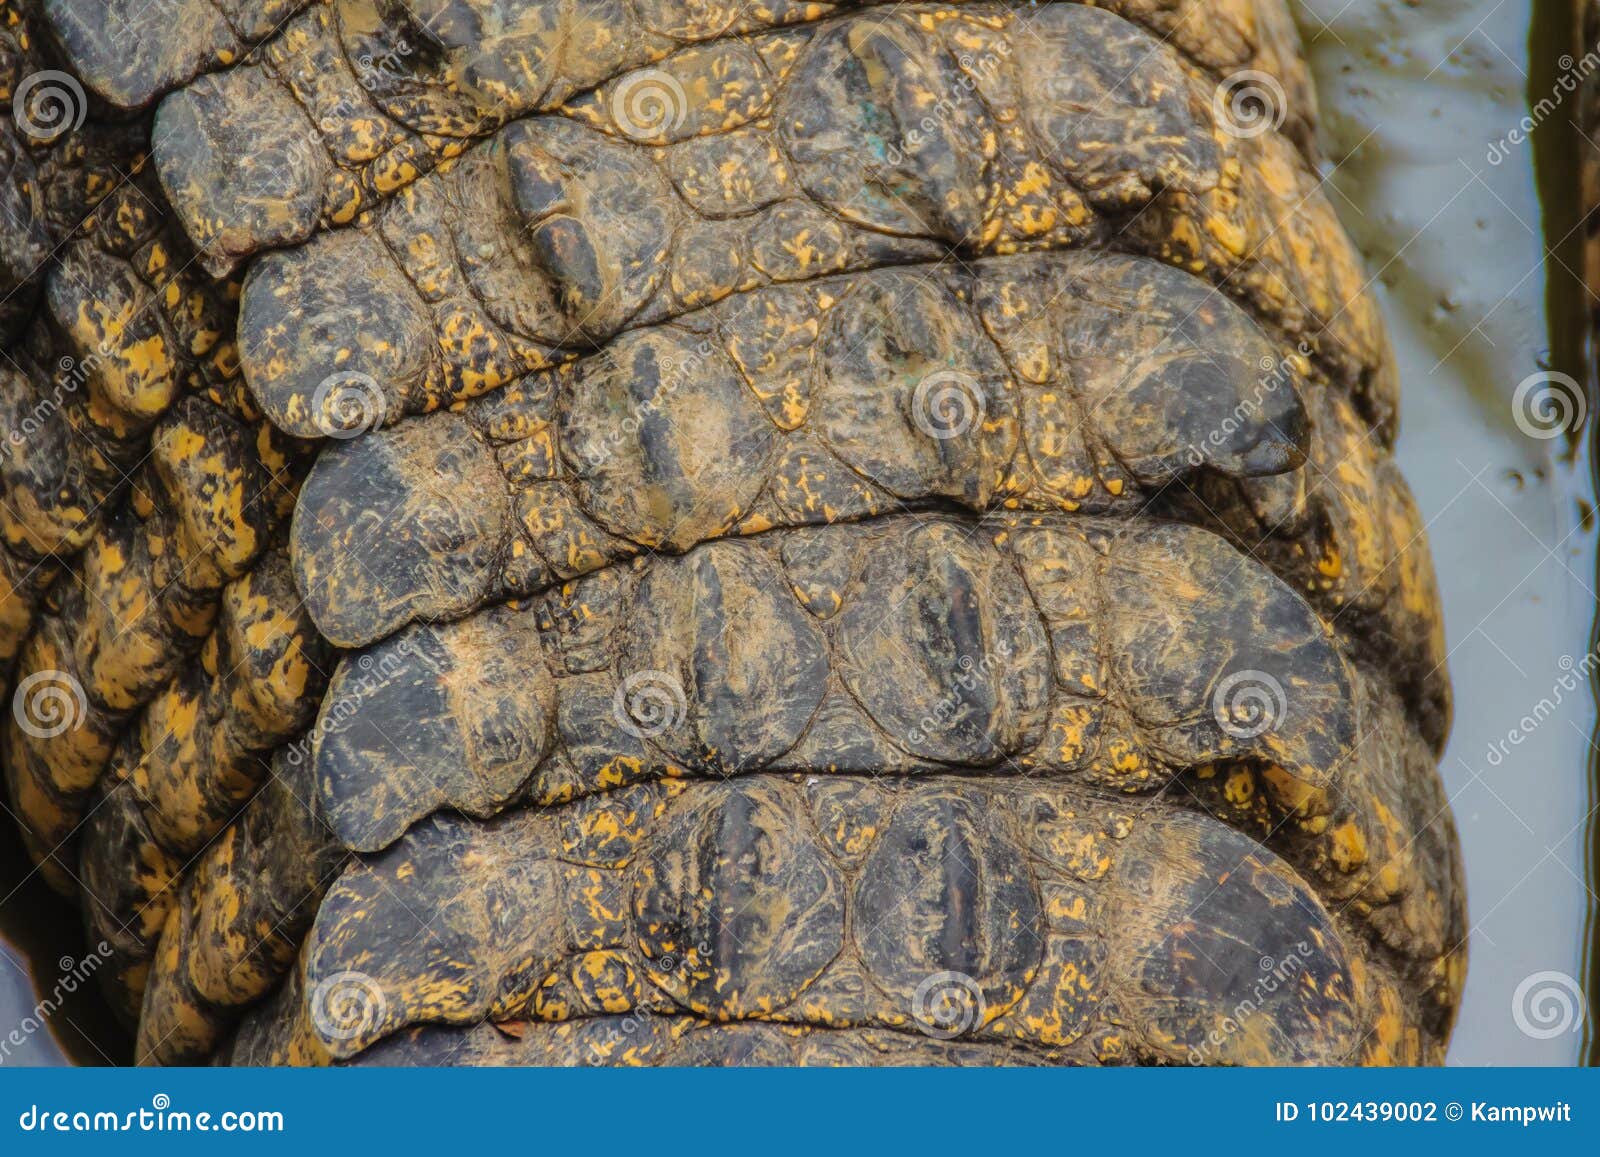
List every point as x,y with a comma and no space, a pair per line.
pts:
41,931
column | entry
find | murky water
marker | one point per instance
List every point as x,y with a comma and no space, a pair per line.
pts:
1417,99
42,956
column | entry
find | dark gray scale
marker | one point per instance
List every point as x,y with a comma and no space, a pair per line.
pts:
353,100
131,51
1052,382
583,228
735,909
957,645
983,913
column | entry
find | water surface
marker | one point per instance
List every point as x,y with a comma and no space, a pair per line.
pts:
1418,100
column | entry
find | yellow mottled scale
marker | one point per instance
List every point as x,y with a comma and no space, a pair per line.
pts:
1268,229
22,588
138,608
70,734
242,913
1045,982
561,533
730,173
710,266
307,60
214,524
725,201
426,254
173,1020
45,819
138,377
724,86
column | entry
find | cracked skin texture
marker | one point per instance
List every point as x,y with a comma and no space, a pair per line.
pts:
358,99
1090,381
139,477
576,230
651,405
123,386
